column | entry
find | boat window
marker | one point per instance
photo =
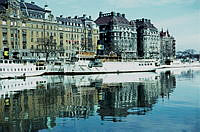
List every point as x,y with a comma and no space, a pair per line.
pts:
10,62
21,69
40,68
36,68
18,69
44,68
3,69
31,69
15,70
5,61
150,63
0,69
7,69
24,69
1,61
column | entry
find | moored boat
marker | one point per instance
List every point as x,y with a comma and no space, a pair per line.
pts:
99,67
55,68
20,69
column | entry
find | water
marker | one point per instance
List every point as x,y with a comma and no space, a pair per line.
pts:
168,100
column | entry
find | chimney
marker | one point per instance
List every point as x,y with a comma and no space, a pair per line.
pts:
75,17
100,14
84,15
32,2
118,14
61,15
143,20
112,13
123,15
90,17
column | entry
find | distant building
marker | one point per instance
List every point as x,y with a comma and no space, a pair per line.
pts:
148,39
167,44
117,35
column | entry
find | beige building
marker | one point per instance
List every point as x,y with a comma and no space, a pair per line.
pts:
35,34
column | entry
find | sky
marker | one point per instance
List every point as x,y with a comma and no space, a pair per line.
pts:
180,17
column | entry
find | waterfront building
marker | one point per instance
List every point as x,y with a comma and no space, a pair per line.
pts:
80,33
117,35
167,44
148,39
30,32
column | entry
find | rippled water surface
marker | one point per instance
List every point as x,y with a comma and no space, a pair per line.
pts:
168,100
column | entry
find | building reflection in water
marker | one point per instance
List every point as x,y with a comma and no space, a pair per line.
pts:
41,100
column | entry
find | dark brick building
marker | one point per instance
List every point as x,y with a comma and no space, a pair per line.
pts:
117,35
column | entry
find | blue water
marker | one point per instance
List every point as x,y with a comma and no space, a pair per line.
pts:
168,100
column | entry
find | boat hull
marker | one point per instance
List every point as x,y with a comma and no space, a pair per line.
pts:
14,70
109,67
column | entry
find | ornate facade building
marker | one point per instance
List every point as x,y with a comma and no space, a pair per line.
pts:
80,33
167,44
31,32
117,35
148,39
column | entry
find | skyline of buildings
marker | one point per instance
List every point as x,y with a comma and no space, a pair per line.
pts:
34,32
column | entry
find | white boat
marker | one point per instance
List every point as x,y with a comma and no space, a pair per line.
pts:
99,67
55,68
18,68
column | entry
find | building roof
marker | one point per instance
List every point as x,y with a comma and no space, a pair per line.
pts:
106,19
69,19
31,6
145,23
164,34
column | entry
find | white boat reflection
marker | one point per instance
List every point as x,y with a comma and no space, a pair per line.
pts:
85,80
11,86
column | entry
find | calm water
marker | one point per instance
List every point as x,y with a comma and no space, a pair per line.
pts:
168,100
